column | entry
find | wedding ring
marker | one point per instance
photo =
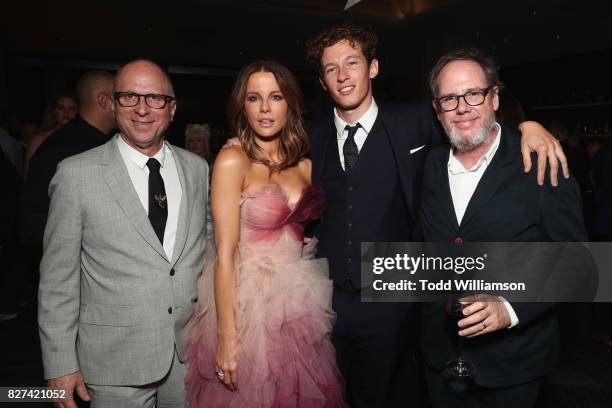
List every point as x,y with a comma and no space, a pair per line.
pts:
484,325
220,374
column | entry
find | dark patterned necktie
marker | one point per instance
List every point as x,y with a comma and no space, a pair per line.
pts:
158,202
350,148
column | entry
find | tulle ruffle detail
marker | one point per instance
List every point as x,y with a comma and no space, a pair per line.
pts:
284,319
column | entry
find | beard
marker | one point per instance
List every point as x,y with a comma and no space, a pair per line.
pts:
481,136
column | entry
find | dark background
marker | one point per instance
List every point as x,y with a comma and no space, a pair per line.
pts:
555,55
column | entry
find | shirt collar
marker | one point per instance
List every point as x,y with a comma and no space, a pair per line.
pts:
138,158
455,166
366,120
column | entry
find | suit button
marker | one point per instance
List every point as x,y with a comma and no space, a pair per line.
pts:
350,242
350,224
458,241
350,188
350,206
170,310
350,259
171,272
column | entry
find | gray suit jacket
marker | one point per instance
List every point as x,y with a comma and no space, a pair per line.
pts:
110,302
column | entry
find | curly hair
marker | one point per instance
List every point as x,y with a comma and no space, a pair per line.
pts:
355,34
293,142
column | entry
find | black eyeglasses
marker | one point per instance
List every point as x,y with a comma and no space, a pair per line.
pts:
474,97
131,99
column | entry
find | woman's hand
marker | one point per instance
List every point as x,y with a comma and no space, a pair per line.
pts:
226,362
228,177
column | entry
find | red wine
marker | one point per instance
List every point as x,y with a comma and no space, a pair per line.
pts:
455,311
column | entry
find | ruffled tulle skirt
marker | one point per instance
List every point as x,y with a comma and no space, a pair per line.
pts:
284,320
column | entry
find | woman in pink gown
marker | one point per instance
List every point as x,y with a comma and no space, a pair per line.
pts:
261,334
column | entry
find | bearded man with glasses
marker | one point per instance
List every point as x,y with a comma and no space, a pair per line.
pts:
477,191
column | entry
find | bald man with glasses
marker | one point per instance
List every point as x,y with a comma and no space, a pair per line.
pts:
123,249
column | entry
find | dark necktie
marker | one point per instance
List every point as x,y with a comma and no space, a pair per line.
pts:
158,202
350,148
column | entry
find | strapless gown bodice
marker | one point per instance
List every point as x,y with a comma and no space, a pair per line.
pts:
272,226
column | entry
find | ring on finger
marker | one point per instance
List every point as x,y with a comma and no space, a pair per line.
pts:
220,375
484,325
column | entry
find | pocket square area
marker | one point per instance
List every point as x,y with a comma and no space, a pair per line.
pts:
416,149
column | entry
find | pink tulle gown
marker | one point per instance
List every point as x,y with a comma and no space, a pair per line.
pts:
283,313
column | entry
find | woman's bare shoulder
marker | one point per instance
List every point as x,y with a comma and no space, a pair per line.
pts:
232,157
305,168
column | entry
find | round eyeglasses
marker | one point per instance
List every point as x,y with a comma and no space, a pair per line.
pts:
131,99
474,97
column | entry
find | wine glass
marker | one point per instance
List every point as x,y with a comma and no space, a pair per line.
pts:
459,367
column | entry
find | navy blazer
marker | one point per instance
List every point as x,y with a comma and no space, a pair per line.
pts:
402,134
507,206
407,125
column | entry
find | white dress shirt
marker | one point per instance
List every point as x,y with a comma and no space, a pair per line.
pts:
136,164
366,121
463,183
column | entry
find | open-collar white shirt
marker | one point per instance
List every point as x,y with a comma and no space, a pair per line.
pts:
463,183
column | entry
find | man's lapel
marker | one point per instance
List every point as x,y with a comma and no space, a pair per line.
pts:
494,176
120,184
446,199
186,207
400,152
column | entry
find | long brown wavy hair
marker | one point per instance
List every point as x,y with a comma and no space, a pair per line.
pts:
293,140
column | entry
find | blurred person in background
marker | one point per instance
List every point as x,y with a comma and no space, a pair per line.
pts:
22,125
197,139
89,129
61,111
11,147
